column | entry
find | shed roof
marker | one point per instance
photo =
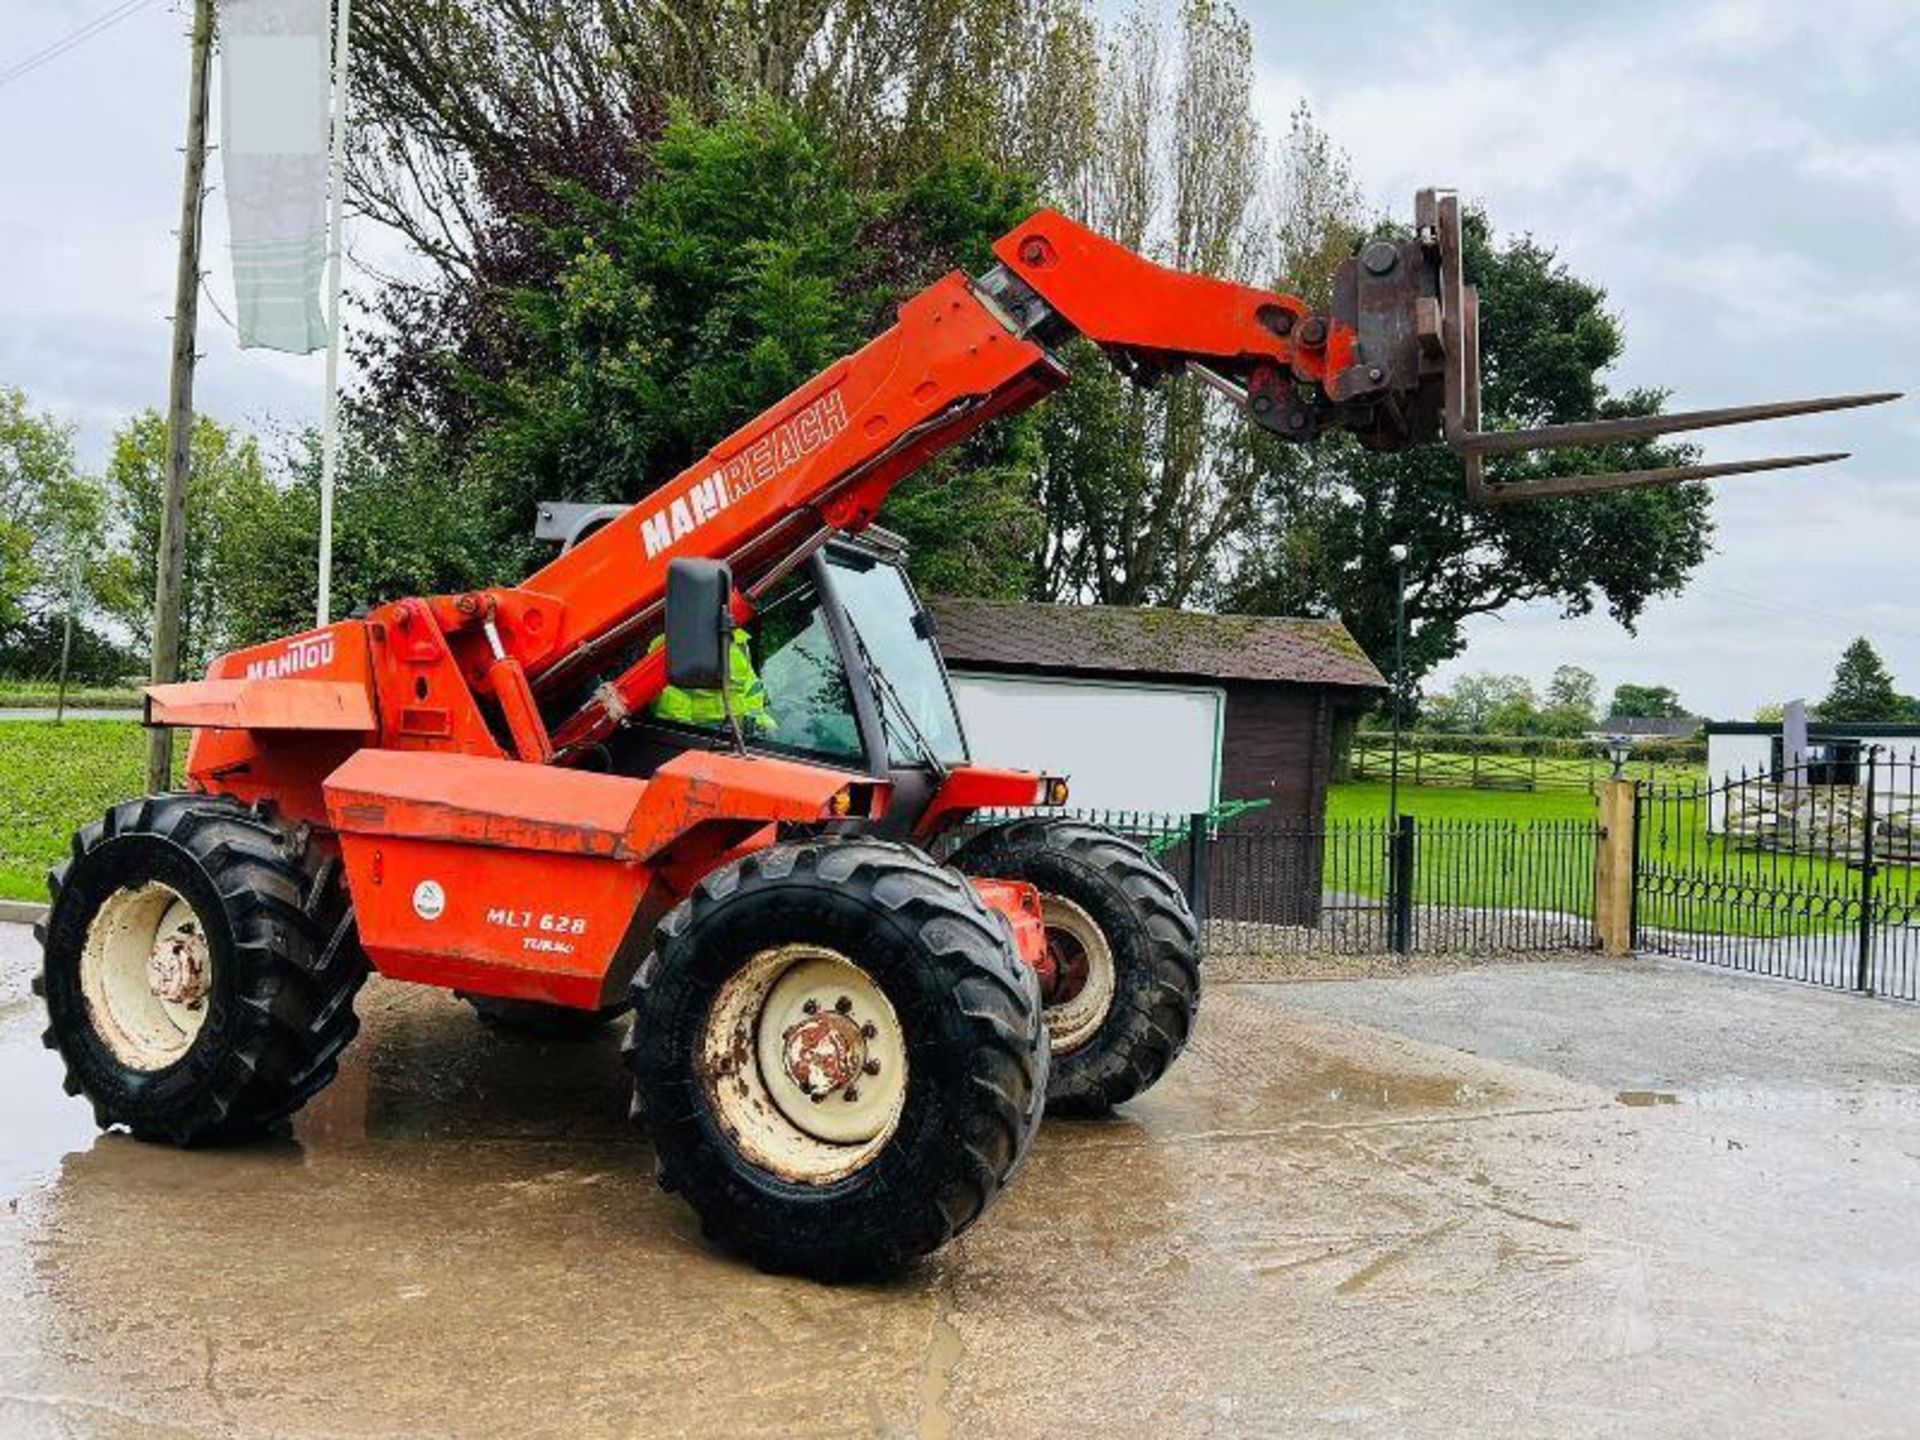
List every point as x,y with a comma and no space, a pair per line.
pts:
1113,639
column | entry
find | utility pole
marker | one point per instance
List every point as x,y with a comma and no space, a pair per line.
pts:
171,564
66,629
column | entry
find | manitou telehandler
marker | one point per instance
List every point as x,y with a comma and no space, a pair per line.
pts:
839,1047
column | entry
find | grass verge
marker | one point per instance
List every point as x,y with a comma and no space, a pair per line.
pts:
53,779
44,695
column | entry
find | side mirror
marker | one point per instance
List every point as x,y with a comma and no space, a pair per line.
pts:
699,623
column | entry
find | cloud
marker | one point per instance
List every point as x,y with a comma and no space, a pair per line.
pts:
1744,179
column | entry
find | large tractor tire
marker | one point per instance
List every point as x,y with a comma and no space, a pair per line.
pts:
838,1055
542,1022
198,970
1124,952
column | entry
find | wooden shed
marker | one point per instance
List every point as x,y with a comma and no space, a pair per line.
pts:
1279,686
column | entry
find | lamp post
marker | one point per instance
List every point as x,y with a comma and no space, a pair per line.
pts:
1619,751
1398,554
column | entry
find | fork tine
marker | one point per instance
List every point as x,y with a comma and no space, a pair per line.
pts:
1645,427
1556,485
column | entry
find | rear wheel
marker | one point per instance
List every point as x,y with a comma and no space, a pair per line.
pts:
1123,973
189,978
838,1055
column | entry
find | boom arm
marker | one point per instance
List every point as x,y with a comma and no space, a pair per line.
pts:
1395,363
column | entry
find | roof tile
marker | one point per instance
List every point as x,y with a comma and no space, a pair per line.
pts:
1119,639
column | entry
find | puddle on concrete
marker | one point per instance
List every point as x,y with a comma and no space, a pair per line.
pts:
39,1120
1642,1099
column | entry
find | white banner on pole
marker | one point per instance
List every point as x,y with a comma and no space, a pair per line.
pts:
274,65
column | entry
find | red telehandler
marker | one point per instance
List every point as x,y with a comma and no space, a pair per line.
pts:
840,1048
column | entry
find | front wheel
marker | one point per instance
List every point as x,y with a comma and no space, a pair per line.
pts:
838,1055
199,982
1123,973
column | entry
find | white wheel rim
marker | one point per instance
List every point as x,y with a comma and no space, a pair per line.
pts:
1073,1022
146,971
806,1063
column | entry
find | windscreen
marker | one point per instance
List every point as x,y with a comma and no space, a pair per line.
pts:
912,687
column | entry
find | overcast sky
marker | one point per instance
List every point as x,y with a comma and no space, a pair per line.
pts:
1743,177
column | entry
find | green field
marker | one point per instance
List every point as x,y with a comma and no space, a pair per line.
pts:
42,694
53,779
1367,800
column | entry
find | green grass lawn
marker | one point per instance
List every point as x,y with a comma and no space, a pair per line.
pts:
1367,800
1701,884
54,779
1540,860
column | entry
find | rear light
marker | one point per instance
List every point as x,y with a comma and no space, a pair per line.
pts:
841,805
1053,790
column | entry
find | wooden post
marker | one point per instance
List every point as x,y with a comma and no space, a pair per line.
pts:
1613,868
170,563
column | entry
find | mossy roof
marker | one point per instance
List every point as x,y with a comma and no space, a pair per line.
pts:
1186,644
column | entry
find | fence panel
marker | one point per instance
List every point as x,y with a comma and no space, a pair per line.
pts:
1517,762
1351,887
1809,872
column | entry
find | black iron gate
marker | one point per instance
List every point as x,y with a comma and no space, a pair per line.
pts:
1807,871
1360,886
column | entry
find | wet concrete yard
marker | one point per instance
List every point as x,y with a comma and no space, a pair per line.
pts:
1657,1201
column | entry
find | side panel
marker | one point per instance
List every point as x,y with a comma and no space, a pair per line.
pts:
541,883
490,875
523,924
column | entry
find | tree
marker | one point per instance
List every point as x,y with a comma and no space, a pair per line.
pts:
606,341
50,519
1862,688
1327,515
1482,703
1143,488
1572,696
397,530
452,95
1646,702
227,486
1770,714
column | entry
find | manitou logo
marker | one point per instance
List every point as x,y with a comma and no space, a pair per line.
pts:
771,456
307,653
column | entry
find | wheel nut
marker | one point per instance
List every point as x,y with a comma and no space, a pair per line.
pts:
851,1093
872,1067
812,1007
844,1005
815,1096
869,1030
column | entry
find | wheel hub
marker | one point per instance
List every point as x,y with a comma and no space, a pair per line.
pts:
146,970
1067,967
177,968
807,1063
1080,994
824,1053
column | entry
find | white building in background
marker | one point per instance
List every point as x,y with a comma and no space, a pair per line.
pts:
1748,750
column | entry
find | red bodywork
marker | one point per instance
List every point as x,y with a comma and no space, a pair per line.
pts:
431,741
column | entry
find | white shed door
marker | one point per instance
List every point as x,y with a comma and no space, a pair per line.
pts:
1123,747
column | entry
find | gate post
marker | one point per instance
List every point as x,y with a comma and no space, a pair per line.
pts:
1613,866
1198,873
1400,888
1863,977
